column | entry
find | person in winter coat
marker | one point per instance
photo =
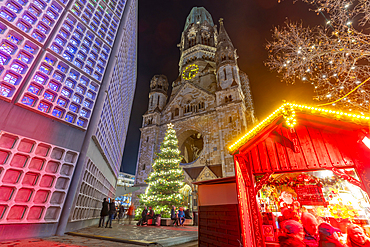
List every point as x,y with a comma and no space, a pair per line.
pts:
292,234
329,236
150,215
310,226
356,237
112,213
142,221
104,212
174,216
181,216
131,213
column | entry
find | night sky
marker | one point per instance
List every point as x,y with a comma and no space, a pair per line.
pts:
249,24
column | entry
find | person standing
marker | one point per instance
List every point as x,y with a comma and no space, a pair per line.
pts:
112,213
131,213
121,212
174,216
310,227
104,212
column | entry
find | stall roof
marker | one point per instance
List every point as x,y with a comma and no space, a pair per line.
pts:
288,112
217,181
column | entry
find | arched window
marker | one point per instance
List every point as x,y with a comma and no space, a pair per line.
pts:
230,98
143,167
226,99
176,112
230,119
147,138
225,73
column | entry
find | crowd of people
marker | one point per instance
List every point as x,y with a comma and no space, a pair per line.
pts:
310,233
110,209
178,217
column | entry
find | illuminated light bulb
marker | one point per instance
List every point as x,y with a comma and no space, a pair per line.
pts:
358,82
335,75
349,23
328,22
353,67
304,78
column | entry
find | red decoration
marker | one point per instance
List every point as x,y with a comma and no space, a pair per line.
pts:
310,195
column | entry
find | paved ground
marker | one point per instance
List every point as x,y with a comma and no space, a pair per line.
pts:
127,235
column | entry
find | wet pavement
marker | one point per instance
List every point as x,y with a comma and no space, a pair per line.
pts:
120,235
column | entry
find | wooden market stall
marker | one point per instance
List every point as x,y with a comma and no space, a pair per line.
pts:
317,157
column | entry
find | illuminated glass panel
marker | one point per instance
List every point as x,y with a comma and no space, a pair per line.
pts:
17,67
28,100
85,19
80,89
87,42
77,99
53,86
84,81
44,107
66,92
57,113
7,14
60,40
71,49
62,102
81,56
44,29
74,74
56,8
74,10
81,122
58,76
70,118
39,78
21,2
64,33
84,113
27,17
99,69
29,49
70,20
22,25
104,55
7,48
13,6
46,69
77,34
62,68
11,78
38,36
74,108
88,103
67,26
78,63
95,49
88,70
93,56
95,21
84,49
98,42
90,62
67,56
47,20
93,27
5,90
79,28
93,87
49,60
34,10
24,57
4,58
101,62
34,89
70,83
97,76
52,14
75,41
49,96
39,4
106,49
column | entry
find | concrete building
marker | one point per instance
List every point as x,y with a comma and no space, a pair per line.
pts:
67,80
210,103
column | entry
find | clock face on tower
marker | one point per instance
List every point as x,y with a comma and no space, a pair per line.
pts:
190,71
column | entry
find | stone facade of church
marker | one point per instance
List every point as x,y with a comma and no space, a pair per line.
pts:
210,105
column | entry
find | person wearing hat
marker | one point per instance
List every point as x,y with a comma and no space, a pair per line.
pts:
310,227
328,236
356,237
292,234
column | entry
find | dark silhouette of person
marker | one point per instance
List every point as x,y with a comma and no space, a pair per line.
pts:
104,212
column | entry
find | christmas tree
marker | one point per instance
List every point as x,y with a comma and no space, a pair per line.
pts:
167,177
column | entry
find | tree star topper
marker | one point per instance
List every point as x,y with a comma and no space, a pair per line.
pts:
170,126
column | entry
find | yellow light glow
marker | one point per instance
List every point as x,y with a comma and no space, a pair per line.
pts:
287,110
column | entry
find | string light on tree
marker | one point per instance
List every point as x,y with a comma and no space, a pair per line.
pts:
166,180
334,57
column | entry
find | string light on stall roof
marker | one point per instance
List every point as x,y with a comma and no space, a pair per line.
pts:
291,121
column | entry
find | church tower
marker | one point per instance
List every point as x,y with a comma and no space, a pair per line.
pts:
210,104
